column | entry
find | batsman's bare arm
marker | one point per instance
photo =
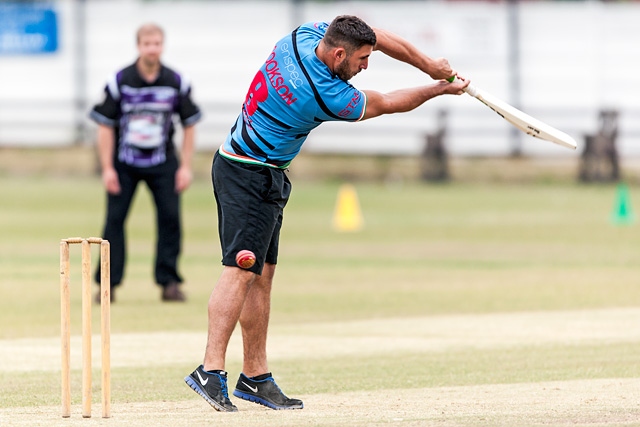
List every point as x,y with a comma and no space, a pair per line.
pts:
398,48
403,100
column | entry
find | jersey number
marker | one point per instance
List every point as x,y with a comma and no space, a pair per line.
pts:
258,92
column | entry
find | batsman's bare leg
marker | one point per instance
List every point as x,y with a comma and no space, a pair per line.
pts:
225,305
254,321
209,380
256,384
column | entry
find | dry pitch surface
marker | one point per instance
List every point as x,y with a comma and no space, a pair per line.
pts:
602,402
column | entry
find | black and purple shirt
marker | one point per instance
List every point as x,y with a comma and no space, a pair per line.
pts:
141,114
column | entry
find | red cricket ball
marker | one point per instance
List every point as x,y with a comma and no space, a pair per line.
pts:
245,259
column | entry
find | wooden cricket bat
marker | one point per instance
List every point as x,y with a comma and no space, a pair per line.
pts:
521,120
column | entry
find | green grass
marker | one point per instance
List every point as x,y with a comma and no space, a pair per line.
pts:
425,250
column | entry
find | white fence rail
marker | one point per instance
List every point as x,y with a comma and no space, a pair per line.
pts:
575,58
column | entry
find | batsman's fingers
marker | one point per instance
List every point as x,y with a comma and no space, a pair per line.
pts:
457,76
459,84
441,69
453,75
465,82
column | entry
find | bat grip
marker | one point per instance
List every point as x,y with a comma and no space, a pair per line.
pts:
471,90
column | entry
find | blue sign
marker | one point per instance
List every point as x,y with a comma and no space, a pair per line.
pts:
28,28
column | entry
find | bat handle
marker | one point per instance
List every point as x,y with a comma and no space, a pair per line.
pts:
471,90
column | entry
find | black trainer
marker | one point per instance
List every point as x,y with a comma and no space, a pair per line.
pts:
264,390
213,387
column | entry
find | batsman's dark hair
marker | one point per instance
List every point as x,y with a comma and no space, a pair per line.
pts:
349,32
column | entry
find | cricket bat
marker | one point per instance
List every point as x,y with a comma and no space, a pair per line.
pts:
519,119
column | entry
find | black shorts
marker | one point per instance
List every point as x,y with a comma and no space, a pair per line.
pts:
251,200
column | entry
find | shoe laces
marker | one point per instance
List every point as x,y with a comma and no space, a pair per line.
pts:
223,386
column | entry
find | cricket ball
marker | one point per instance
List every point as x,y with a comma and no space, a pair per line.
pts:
245,259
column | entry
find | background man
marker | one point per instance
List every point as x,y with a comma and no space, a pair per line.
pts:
135,143
303,82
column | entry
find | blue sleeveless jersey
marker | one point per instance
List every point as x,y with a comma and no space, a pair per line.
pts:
292,93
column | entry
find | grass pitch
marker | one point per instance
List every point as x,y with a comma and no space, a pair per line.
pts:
458,254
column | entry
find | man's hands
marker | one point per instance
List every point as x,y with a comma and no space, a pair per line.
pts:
439,69
456,87
111,183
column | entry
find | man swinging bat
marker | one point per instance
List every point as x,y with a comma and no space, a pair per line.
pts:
303,82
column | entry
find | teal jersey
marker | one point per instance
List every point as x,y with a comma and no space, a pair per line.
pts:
292,93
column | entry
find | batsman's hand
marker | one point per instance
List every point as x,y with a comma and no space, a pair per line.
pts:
441,70
455,85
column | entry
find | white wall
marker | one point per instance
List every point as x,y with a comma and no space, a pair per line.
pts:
576,57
